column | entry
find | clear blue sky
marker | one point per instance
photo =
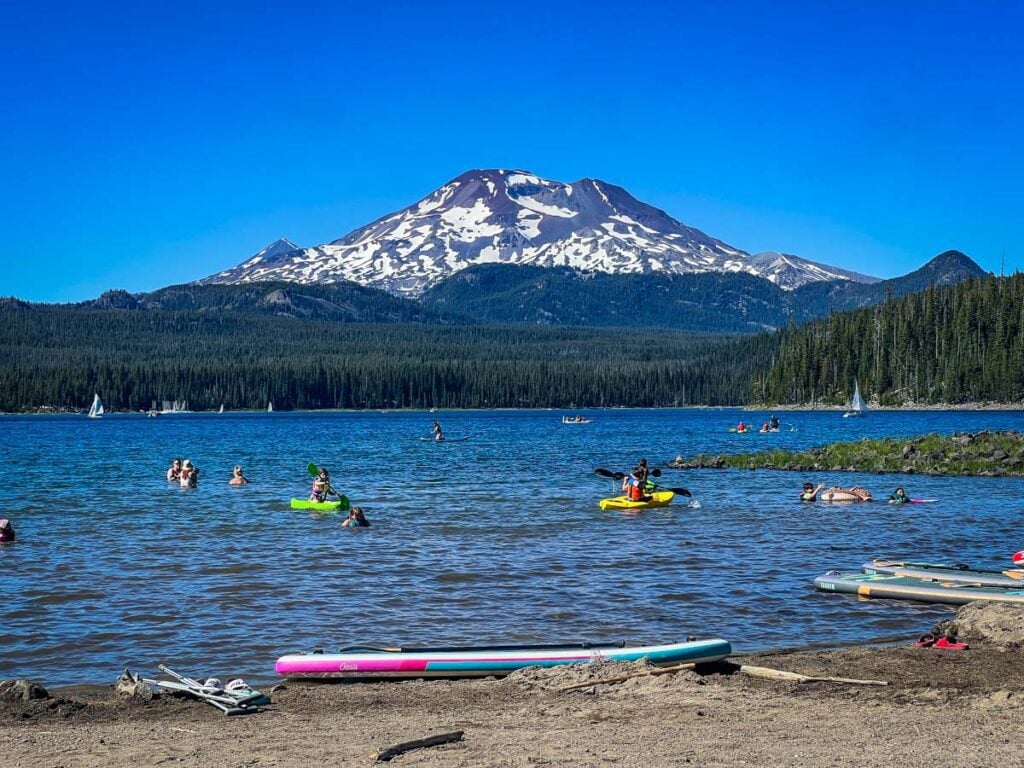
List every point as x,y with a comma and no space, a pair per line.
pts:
153,143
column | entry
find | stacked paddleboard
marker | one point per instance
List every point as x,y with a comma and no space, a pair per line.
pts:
954,584
368,662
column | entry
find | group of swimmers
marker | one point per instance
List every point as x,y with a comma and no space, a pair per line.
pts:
772,425
187,474
810,493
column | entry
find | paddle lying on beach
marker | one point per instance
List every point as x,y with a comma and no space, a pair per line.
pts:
654,473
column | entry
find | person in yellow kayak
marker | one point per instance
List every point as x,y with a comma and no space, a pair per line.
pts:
636,484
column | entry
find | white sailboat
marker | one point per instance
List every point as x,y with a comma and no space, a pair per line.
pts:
96,409
270,407
857,406
221,408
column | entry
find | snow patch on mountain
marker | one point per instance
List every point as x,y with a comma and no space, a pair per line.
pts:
516,217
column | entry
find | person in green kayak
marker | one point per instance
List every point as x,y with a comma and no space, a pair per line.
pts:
322,487
899,496
356,519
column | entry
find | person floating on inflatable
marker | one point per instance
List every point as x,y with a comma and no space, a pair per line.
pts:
899,496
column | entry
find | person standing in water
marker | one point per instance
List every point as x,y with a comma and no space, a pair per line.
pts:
174,473
810,493
438,433
6,531
238,477
356,519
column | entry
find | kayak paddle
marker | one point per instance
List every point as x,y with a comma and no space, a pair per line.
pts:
619,475
654,473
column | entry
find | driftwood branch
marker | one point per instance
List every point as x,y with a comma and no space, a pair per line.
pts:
777,674
629,676
406,746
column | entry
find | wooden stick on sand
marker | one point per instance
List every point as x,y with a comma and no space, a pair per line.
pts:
765,673
431,741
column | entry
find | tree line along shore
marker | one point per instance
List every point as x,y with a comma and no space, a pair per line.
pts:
955,344
979,454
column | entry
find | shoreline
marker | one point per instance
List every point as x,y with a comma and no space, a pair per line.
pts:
938,706
791,408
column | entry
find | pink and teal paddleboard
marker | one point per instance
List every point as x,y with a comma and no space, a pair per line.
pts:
361,662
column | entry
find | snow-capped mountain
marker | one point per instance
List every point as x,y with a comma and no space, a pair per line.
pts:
514,217
790,272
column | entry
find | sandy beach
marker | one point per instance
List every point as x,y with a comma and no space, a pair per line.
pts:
963,708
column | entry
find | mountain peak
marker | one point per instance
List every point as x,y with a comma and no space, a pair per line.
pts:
949,267
510,216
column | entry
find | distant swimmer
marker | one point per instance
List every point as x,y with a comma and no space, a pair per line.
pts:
356,519
238,476
189,475
6,531
899,496
810,493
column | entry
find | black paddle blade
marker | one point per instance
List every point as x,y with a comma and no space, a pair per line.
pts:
604,472
655,472
679,491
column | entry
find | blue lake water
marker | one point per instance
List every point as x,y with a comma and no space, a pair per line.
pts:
498,539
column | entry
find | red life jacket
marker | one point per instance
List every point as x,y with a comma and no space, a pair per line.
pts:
633,491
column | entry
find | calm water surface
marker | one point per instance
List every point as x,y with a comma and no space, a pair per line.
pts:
498,539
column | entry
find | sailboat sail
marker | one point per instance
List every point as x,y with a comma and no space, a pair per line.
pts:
857,406
221,408
858,401
270,407
96,409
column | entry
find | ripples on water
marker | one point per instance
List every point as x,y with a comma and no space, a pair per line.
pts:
498,539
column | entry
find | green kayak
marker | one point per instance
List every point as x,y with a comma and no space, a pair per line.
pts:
338,505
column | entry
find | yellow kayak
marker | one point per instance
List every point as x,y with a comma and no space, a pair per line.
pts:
657,499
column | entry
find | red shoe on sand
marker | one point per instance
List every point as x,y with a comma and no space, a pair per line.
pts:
950,644
927,640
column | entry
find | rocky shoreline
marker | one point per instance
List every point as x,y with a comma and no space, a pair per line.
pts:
965,454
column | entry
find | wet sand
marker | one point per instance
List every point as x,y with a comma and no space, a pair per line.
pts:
940,708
